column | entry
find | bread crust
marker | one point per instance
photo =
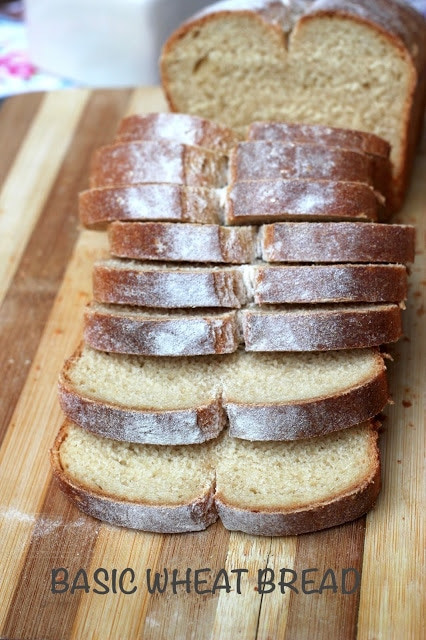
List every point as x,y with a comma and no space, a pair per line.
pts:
310,418
168,289
321,242
343,509
164,202
270,160
331,329
306,284
141,425
156,335
399,24
179,127
264,201
319,134
127,163
182,242
195,516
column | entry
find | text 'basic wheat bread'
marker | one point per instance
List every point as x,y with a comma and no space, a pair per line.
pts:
337,242
186,400
357,65
164,202
129,163
309,485
182,242
179,127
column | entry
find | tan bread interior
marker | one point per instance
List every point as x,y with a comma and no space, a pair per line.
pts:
236,70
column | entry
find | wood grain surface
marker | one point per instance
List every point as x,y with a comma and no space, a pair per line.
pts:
45,269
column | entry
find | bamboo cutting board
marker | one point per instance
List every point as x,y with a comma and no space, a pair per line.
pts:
45,269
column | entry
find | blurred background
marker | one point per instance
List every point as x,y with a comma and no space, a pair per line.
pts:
53,44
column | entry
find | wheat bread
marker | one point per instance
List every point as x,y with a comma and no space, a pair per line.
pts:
152,488
179,127
128,163
155,333
167,287
182,242
321,328
357,65
186,400
321,242
308,486
319,135
268,160
289,488
264,201
311,284
150,202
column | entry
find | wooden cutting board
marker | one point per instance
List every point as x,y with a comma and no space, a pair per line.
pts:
45,269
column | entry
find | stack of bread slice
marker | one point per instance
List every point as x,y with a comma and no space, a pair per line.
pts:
231,363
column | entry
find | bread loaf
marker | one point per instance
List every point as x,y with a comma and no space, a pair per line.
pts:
357,65
186,400
309,485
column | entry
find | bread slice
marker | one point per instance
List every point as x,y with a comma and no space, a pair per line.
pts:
337,242
127,163
310,485
150,202
377,149
358,65
310,284
291,132
153,488
289,488
182,242
152,333
167,287
266,160
179,127
321,328
263,201
185,400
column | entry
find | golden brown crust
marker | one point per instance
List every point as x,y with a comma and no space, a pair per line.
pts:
179,127
321,242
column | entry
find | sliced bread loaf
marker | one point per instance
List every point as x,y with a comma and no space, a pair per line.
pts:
337,242
179,127
182,242
358,65
149,202
152,333
167,287
185,400
310,485
329,283
262,201
129,163
321,328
